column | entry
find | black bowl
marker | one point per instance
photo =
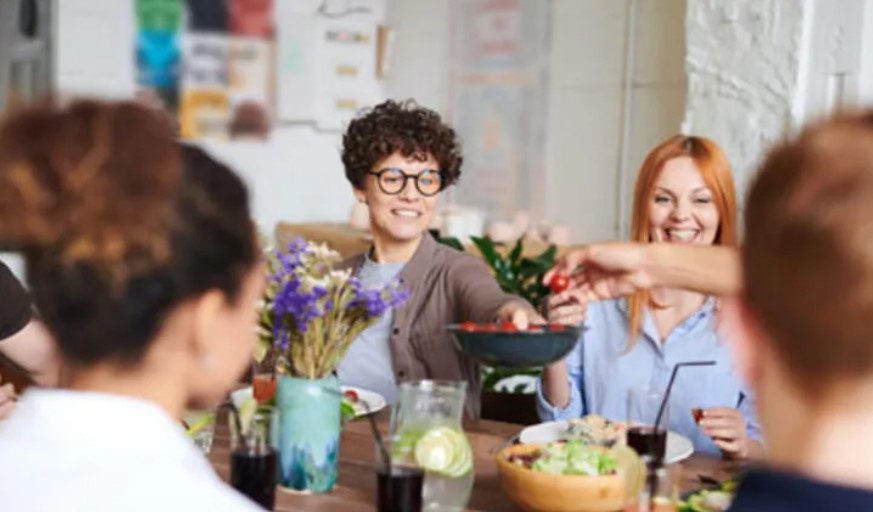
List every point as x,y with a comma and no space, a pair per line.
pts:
518,349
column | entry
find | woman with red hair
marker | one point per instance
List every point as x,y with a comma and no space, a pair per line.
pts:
684,194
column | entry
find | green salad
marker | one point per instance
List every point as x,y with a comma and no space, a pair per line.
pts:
347,410
710,500
569,458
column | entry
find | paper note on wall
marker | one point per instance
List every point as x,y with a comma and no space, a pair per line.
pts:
326,60
205,107
346,70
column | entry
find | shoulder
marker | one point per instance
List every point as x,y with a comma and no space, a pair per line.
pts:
352,263
463,268
453,258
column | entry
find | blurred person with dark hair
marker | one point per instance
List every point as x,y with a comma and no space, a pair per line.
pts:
801,317
399,158
143,264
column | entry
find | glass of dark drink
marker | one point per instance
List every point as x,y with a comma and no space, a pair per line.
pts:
643,405
399,480
253,462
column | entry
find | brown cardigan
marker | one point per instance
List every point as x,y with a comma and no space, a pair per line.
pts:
447,286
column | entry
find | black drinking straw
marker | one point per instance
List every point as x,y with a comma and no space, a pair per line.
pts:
667,397
236,421
656,461
376,433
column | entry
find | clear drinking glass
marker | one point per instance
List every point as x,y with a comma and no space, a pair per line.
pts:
642,411
200,426
254,463
399,479
661,490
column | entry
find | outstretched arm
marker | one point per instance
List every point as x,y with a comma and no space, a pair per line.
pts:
615,269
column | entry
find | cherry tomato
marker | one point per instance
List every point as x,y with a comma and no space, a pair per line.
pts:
351,395
508,326
469,327
491,327
559,283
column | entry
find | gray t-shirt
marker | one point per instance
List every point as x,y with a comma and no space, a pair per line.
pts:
368,363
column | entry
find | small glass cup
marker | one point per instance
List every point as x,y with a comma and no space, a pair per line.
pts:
399,480
642,412
660,493
264,387
254,463
200,426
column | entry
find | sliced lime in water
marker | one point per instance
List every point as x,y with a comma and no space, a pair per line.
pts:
463,463
444,450
404,448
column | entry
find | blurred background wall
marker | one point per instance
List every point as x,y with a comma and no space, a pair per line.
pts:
557,101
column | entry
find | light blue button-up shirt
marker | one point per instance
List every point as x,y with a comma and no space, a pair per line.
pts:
602,371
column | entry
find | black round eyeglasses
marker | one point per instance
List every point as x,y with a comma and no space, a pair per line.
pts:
391,181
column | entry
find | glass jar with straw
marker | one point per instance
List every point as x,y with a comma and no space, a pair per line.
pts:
253,467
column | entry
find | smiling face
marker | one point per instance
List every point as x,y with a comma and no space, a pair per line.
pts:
401,217
682,208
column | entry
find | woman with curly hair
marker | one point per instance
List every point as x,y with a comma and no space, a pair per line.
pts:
398,158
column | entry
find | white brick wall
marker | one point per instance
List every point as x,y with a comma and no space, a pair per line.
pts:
758,69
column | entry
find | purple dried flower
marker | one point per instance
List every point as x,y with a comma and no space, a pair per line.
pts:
399,296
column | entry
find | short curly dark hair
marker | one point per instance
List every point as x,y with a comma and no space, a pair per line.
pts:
402,126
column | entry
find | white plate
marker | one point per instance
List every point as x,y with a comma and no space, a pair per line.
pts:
375,402
678,447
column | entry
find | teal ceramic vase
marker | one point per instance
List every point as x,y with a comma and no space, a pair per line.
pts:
307,433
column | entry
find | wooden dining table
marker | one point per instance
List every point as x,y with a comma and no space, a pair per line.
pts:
356,486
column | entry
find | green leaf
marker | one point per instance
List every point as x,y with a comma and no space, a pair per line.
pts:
519,388
452,242
486,247
515,254
548,256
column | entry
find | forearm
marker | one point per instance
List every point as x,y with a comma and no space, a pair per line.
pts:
713,270
555,385
33,349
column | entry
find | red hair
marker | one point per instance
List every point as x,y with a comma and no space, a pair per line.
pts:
715,170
